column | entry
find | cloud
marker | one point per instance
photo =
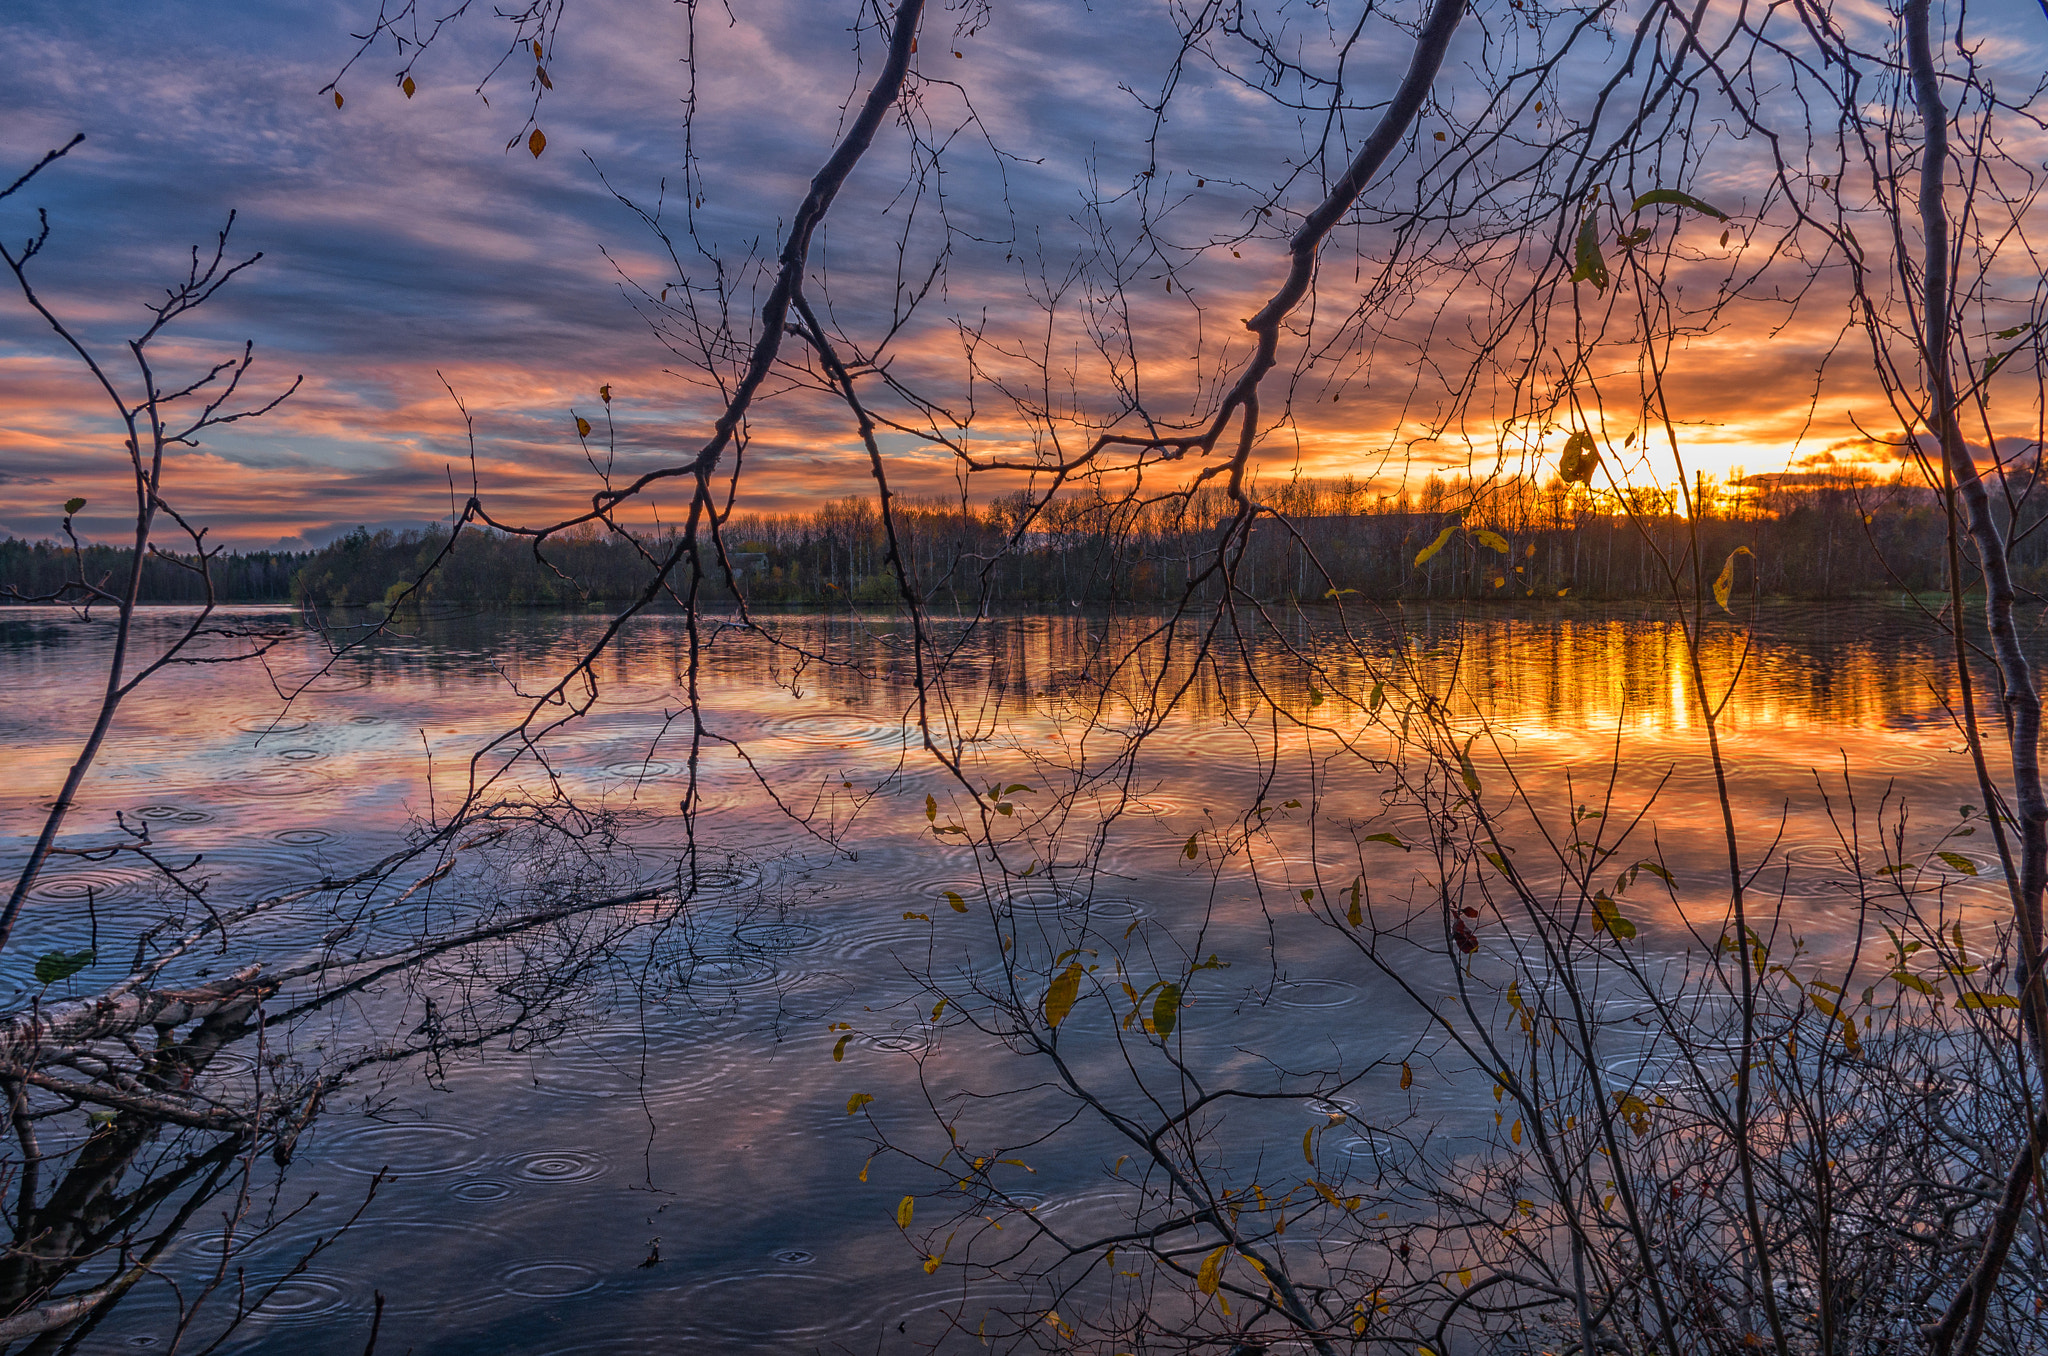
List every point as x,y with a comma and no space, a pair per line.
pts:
1009,283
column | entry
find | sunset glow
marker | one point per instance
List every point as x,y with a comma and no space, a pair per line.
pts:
404,246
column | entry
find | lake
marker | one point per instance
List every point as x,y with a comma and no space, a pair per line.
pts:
629,1130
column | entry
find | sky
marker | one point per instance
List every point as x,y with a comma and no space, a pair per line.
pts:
407,252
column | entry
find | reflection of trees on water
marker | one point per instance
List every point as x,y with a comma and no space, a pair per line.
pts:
1855,666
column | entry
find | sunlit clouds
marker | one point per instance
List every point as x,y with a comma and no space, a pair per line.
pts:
988,250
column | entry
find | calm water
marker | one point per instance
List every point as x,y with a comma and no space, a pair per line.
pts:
684,1088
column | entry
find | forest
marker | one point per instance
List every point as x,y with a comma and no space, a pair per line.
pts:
1813,536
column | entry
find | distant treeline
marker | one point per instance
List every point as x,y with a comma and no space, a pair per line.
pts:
1818,538
37,569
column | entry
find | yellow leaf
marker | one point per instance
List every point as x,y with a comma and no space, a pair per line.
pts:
1465,1277
903,1212
1443,539
604,393
1466,771
1491,540
1959,862
582,427
1407,1076
1913,982
1166,1010
1724,584
1678,199
1607,918
854,1104
1307,1148
1211,1274
1060,996
957,904
1356,915
1987,1000
408,86
931,1264
536,143
1515,1131
1188,849
925,916
839,1050
865,1166
337,98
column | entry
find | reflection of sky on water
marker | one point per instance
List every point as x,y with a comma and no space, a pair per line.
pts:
698,1102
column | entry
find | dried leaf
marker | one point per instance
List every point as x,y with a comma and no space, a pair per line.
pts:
1466,771
1592,267
1166,1010
537,143
1677,199
1442,539
1060,996
1724,583
1579,460
1607,918
1211,1274
1959,862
